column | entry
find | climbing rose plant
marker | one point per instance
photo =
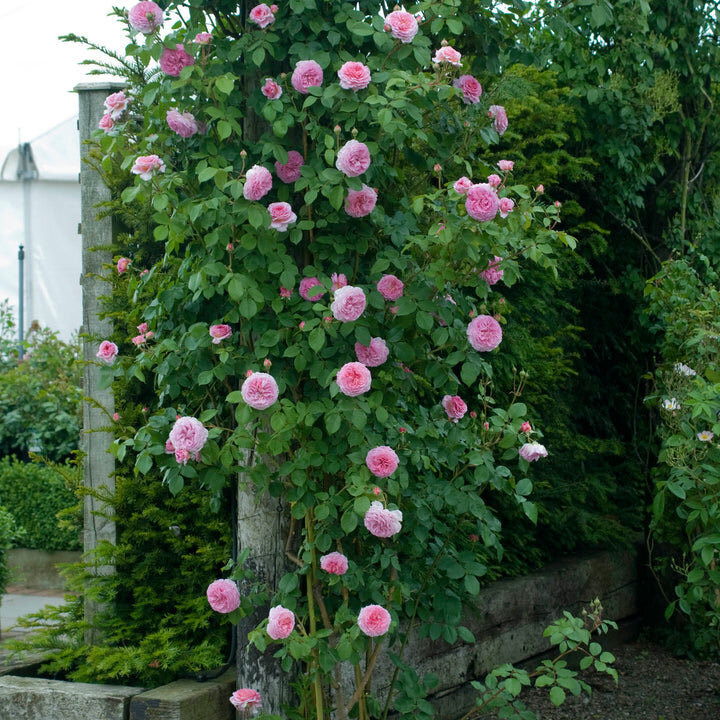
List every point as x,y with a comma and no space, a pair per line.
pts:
323,318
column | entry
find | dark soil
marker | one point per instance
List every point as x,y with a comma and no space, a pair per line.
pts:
653,685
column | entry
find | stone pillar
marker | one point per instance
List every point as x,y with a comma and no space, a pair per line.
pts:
97,235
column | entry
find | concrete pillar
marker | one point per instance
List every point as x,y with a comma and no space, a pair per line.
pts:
97,235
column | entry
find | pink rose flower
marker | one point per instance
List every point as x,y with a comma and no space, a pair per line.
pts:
203,38
353,379
390,287
381,522
271,90
348,304
147,165
494,273
259,390
183,124
142,328
402,25
138,340
470,88
246,700
506,165
360,203
258,183
173,60
455,407
106,123
540,189
146,17
374,354
107,352
494,180
374,620
462,185
188,433
218,333
354,76
481,202
182,456
334,563
307,73
506,206
262,15
338,281
285,293
448,55
116,104
484,333
526,427
532,451
499,117
281,622
353,158
306,284
223,596
281,215
290,171
115,417
382,461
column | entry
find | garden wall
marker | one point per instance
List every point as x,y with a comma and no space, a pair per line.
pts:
508,620
39,568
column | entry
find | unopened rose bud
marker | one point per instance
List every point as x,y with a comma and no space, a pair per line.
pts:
328,319
486,425
248,373
177,417
444,43
354,132
149,334
243,154
402,430
115,417
267,363
337,129
229,247
466,123
558,204
473,414
145,409
501,301
302,324
474,538
376,490
273,8
437,168
539,189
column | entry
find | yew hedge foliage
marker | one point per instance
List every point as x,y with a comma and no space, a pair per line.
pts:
267,274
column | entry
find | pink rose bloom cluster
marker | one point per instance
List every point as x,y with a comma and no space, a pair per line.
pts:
381,522
173,60
107,352
258,183
360,203
338,281
262,15
259,390
281,622
462,185
147,165
374,620
271,90
481,202
122,265
449,55
494,273
334,563
306,284
247,701
354,76
470,88
390,287
374,354
484,333
184,124
382,461
145,17
281,215
307,73
353,379
532,451
223,596
348,304
218,333
290,171
186,439
499,118
455,407
353,158
506,205
402,25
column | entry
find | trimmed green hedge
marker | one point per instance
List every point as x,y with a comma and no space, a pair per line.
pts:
35,494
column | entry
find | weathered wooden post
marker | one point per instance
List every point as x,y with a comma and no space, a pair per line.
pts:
99,405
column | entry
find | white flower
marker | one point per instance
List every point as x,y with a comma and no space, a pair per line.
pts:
683,369
705,436
670,404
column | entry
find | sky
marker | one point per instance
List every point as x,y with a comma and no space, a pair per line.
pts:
39,71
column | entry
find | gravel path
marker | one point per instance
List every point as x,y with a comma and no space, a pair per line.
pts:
653,685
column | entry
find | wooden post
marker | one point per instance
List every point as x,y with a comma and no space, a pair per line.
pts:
99,406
